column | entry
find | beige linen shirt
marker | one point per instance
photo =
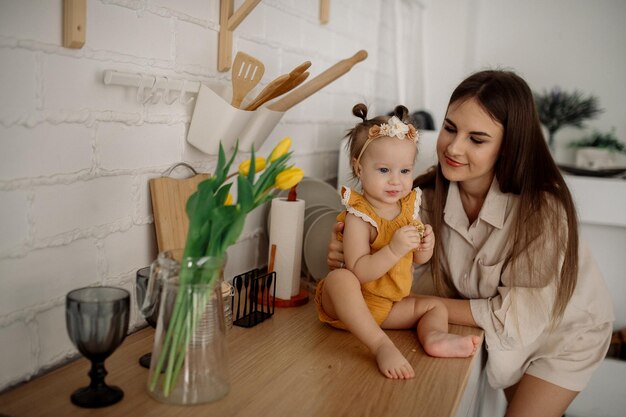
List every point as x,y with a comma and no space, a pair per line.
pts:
516,320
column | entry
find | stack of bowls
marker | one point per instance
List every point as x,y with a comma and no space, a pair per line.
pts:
322,205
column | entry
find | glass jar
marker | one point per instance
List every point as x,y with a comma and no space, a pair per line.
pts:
227,292
189,358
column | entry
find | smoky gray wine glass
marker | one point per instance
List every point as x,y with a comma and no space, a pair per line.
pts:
97,323
152,313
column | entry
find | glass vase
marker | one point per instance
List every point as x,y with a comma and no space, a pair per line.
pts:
189,358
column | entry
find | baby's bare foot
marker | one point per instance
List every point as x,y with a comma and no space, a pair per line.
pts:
392,363
446,345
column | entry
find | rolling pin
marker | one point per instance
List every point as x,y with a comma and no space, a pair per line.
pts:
317,83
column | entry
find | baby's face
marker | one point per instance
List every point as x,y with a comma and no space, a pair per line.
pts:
386,169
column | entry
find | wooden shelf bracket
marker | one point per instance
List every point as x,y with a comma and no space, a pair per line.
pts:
324,11
74,23
229,20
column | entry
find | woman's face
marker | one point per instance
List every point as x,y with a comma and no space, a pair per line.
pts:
469,144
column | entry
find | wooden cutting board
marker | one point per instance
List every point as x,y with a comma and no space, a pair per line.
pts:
169,197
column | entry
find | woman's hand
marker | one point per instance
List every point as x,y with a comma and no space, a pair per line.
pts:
428,239
335,249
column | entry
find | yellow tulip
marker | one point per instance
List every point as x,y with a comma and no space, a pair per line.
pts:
259,165
280,149
288,178
229,200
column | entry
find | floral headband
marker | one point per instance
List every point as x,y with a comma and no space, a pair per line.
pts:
393,128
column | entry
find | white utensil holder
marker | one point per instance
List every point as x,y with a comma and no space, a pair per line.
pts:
259,128
214,120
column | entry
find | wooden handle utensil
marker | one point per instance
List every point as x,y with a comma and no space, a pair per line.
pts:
247,72
300,69
317,83
267,92
280,86
270,266
291,84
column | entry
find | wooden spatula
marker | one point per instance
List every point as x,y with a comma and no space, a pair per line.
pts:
281,85
267,92
291,84
300,69
247,72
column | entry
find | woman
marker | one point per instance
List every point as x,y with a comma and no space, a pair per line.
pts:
507,248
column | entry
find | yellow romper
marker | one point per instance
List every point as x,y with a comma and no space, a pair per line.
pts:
381,293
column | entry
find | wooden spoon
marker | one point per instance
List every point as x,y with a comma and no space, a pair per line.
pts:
300,68
280,86
291,84
247,72
317,83
267,92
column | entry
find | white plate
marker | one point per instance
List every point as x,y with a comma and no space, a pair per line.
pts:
315,191
316,244
313,215
308,211
311,208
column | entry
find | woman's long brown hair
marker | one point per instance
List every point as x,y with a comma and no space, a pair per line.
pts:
525,168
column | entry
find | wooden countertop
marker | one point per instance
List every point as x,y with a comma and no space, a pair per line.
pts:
289,365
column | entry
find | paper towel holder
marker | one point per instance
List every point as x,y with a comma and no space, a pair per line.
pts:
295,301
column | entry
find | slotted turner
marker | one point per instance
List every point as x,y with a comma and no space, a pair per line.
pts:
247,72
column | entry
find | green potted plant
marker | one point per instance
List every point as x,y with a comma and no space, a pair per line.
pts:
597,139
559,108
599,150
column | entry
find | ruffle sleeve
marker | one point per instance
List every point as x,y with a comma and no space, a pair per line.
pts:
356,205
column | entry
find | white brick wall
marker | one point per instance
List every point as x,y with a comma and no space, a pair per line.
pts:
41,151
18,68
76,155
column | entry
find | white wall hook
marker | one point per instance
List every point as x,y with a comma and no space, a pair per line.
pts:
184,90
166,93
144,83
160,84
160,87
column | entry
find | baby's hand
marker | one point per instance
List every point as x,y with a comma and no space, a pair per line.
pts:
404,240
428,239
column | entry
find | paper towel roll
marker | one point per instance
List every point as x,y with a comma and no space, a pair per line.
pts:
286,227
